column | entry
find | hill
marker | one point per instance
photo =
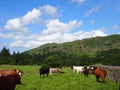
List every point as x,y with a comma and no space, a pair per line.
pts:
103,50
90,46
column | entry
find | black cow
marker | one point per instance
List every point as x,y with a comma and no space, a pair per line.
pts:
86,71
9,82
44,70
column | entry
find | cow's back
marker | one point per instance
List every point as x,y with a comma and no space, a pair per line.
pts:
44,70
100,72
7,72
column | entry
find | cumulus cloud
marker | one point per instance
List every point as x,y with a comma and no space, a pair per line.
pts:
49,10
32,16
82,34
18,25
90,11
54,26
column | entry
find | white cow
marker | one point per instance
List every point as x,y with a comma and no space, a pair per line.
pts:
78,69
55,70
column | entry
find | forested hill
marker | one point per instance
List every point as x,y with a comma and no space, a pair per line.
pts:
104,50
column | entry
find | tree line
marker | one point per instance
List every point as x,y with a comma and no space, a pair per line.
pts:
59,59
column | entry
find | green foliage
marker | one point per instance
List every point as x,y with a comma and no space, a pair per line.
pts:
53,61
5,56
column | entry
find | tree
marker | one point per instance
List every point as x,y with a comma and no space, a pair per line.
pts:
5,52
53,61
5,56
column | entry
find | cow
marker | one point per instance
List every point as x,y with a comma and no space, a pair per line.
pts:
9,82
11,72
86,71
99,73
55,70
78,69
20,72
44,70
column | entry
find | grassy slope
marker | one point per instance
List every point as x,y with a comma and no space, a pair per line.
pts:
67,81
80,47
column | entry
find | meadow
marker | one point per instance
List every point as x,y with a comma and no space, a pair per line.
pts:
67,81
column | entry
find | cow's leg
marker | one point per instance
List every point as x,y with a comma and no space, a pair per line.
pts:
103,78
97,78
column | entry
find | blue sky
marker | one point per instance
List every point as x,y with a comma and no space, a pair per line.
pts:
27,24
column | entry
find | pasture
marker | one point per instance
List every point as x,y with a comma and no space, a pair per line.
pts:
67,81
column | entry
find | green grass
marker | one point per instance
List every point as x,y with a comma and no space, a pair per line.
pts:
67,81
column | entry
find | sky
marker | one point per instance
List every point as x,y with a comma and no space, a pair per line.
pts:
28,24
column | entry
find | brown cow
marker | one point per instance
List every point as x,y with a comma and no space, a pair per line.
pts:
9,82
11,72
99,73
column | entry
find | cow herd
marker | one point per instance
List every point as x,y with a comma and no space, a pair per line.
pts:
97,71
10,78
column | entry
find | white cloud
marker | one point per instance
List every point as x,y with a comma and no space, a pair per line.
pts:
90,11
6,36
19,37
18,25
82,34
32,16
49,10
54,26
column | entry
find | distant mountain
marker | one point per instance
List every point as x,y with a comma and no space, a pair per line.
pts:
91,47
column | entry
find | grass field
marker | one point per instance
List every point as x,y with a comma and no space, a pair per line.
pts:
68,81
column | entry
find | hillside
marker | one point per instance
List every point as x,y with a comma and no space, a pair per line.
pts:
90,46
81,52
